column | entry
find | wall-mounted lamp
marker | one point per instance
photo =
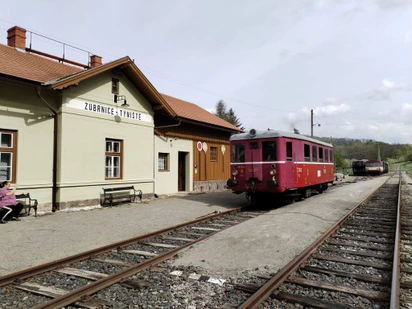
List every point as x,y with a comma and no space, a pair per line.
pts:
121,98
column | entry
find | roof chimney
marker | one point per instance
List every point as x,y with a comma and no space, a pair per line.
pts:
95,61
16,37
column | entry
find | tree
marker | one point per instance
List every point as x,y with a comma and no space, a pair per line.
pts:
229,116
221,110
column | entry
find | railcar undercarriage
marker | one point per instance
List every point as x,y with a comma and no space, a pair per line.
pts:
288,197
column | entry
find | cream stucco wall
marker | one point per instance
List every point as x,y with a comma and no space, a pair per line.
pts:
21,110
83,135
167,181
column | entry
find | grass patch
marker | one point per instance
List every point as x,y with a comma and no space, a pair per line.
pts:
407,167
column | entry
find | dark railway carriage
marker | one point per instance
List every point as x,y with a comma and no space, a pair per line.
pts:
358,167
279,163
385,167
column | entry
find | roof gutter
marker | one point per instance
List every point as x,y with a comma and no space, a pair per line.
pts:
211,126
55,140
170,125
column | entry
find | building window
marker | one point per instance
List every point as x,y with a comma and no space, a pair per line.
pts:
115,86
8,154
269,151
163,162
306,151
314,154
114,159
213,154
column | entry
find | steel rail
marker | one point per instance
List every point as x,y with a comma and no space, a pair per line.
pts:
267,289
100,284
396,271
36,270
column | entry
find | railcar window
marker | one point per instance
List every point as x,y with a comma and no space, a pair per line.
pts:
269,151
238,153
331,155
288,151
253,145
320,154
326,155
306,149
314,154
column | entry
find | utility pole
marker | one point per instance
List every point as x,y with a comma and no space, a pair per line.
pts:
379,153
311,123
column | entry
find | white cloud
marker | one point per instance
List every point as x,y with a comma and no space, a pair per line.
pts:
407,107
407,38
388,84
329,110
331,100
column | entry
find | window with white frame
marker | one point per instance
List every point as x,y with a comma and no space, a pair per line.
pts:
113,159
8,153
163,162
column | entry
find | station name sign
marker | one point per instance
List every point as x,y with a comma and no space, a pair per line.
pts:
102,109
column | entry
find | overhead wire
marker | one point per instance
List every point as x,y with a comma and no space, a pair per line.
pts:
160,74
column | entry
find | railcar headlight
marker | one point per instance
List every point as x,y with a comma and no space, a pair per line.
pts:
235,172
272,172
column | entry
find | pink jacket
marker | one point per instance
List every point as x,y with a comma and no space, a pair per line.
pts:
7,200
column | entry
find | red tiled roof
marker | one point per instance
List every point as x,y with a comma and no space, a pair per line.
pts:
191,111
32,67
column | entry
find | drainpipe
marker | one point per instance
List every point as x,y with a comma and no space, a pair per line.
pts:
55,131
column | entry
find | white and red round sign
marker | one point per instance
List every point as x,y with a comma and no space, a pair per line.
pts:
199,146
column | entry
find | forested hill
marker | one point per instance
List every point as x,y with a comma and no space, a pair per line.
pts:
369,149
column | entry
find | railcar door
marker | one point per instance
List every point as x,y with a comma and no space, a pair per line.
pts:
291,175
254,162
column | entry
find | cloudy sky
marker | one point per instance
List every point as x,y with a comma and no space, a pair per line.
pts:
272,61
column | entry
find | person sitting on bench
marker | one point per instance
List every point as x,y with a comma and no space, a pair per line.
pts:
8,201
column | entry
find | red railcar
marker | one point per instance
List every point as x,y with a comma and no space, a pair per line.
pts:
374,167
279,163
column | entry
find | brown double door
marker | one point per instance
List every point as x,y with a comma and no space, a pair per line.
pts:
182,171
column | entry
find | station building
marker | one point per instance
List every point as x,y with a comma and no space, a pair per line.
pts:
67,130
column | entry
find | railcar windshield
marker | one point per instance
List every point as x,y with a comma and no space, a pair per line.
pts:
238,153
358,164
373,164
269,151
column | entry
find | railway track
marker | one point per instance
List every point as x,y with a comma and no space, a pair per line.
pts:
77,280
354,265
135,273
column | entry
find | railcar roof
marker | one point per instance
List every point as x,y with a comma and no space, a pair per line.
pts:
275,133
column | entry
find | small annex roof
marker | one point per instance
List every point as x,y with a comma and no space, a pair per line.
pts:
192,112
32,67
251,134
